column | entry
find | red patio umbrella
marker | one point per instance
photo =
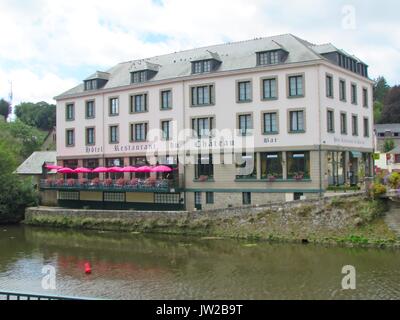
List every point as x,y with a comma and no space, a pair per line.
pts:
144,169
53,167
82,170
101,170
65,170
161,169
115,169
129,169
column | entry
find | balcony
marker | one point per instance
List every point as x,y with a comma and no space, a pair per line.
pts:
134,185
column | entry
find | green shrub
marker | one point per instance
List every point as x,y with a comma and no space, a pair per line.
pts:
394,180
377,189
357,239
343,188
380,177
371,210
15,193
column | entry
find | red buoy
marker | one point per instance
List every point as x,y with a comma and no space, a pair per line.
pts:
88,269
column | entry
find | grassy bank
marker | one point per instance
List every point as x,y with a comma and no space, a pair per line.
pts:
347,221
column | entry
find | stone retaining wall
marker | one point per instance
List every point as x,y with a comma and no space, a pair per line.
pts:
317,213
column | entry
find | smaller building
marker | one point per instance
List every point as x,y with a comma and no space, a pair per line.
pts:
394,160
33,166
387,132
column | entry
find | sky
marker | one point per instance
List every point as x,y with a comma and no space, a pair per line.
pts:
49,46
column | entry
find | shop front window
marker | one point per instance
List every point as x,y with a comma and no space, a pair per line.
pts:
271,165
172,162
91,164
246,166
140,162
298,165
204,169
73,164
114,162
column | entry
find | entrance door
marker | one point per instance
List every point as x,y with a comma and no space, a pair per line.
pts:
353,168
198,200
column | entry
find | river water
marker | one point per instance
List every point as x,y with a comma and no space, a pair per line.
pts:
130,266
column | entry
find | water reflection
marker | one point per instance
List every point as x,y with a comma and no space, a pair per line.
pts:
129,266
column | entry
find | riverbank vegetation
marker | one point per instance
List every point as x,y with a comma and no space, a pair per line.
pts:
17,142
349,221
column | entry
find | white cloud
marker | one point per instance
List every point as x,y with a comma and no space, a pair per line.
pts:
33,87
53,36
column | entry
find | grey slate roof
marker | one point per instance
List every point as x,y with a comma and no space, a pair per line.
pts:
207,55
395,151
234,56
99,75
382,128
329,48
33,165
143,65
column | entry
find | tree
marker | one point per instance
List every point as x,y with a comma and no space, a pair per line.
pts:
389,145
378,106
4,108
40,115
15,193
381,88
391,107
20,139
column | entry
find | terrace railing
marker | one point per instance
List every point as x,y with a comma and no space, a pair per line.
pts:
115,185
31,296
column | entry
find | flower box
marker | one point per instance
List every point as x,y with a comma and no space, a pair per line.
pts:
203,178
108,182
121,182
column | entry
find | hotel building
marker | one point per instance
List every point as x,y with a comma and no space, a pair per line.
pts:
306,108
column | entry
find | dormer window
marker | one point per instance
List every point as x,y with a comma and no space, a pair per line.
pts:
91,85
206,62
96,81
271,57
203,66
143,71
139,76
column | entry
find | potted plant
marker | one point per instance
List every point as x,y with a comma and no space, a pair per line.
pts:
134,182
121,182
83,182
203,178
299,176
151,182
96,182
108,182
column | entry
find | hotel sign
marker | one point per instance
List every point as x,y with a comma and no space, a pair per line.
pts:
177,147
94,150
348,141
